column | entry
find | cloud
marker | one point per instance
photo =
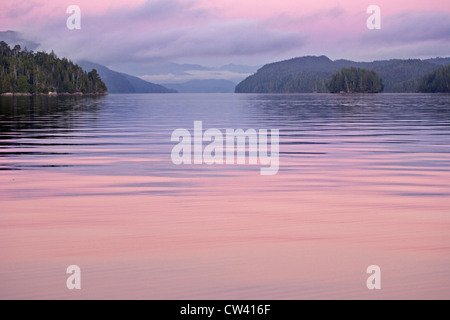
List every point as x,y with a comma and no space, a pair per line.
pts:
193,31
166,10
164,30
412,27
235,38
403,35
197,75
21,8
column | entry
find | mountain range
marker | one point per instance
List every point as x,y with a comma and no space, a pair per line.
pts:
312,73
185,78
118,82
123,83
203,86
299,75
174,73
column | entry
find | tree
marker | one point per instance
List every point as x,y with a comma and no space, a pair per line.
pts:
22,85
437,81
97,83
7,84
29,72
355,80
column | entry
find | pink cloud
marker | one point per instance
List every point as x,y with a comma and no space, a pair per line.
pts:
18,12
201,29
267,9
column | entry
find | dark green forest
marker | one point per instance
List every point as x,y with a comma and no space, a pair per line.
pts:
23,71
300,75
311,74
437,81
355,80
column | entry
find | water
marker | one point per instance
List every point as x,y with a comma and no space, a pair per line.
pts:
363,180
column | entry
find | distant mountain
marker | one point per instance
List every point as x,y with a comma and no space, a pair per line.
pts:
440,61
123,83
311,74
239,68
13,38
130,75
162,68
115,81
180,69
178,73
203,86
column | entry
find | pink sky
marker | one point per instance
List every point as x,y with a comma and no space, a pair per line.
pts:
218,32
235,9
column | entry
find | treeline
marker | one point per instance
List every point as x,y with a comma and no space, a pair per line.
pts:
355,80
299,75
438,81
23,71
311,74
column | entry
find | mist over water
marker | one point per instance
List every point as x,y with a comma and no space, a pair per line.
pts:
363,180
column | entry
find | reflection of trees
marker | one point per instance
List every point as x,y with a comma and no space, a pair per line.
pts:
308,109
45,113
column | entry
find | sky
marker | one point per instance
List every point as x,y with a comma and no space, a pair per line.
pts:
217,32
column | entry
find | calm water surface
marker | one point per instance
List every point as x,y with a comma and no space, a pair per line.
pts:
89,181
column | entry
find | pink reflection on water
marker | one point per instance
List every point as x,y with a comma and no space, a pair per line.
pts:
302,234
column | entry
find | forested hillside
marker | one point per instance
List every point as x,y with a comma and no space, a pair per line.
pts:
311,74
437,81
123,83
355,80
23,71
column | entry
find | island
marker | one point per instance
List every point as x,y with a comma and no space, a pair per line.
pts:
24,72
355,80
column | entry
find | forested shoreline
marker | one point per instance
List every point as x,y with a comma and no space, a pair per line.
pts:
312,74
436,82
355,80
24,72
